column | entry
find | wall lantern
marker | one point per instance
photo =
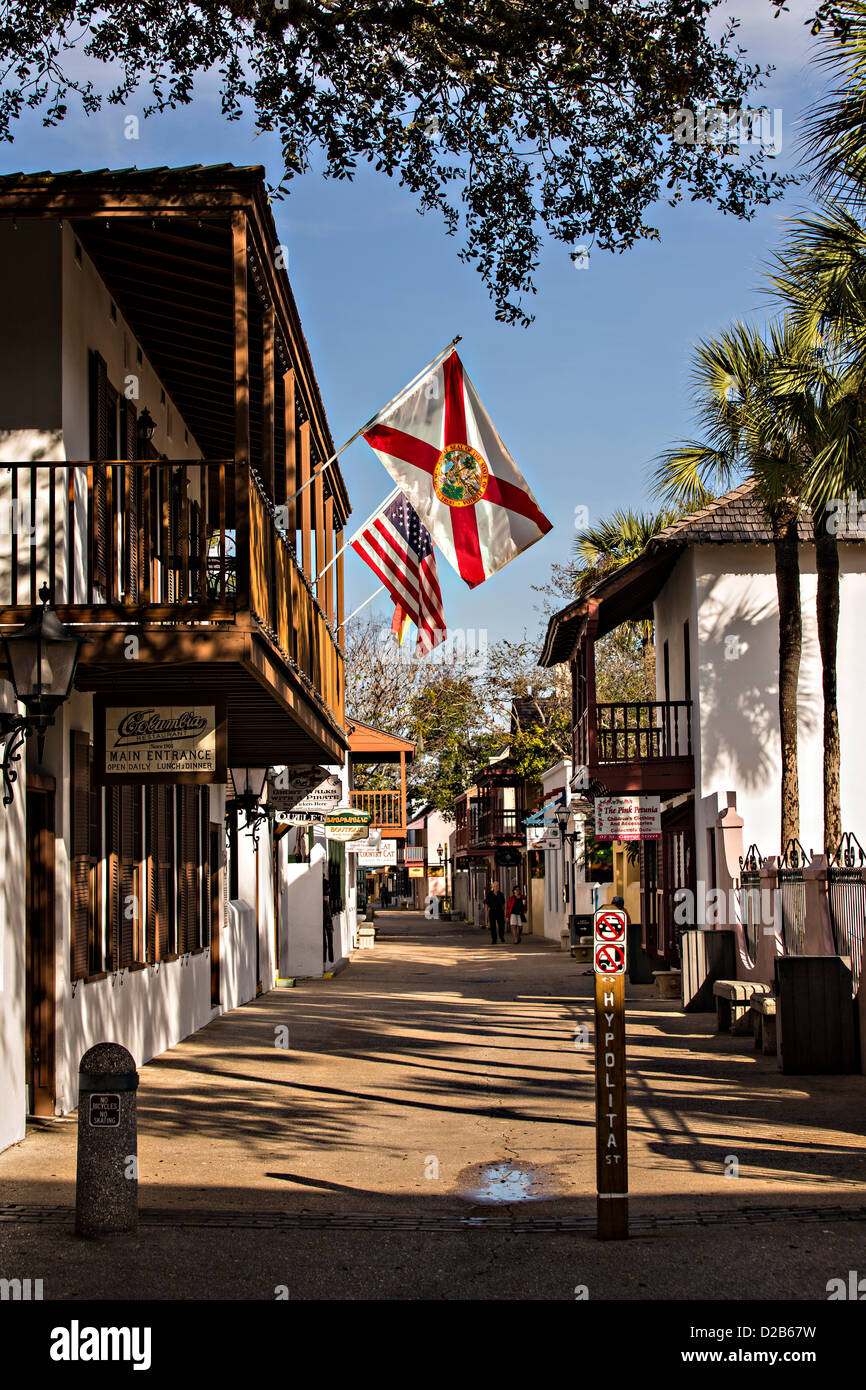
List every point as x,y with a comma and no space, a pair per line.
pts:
145,428
42,659
248,785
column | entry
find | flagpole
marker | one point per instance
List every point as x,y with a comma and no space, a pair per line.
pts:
322,466
355,534
360,606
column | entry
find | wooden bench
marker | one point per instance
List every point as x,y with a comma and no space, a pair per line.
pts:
764,1022
734,1003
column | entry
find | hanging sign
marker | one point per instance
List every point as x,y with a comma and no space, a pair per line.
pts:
627,818
416,871
372,840
378,856
347,824
611,1132
506,858
306,789
183,742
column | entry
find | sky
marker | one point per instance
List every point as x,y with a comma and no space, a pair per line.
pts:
584,399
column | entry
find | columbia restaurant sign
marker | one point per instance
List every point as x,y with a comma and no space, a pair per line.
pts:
184,742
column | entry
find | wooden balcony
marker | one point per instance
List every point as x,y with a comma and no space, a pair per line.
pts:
491,829
387,811
186,559
640,747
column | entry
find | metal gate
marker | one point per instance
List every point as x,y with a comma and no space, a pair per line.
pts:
792,895
750,900
847,894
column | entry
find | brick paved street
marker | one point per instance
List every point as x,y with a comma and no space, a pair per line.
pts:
348,1164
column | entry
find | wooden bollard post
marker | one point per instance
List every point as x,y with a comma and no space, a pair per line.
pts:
611,1130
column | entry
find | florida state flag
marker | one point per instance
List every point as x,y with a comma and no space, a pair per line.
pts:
440,447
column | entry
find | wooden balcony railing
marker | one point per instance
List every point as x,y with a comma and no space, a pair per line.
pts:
490,828
633,732
385,807
283,602
155,542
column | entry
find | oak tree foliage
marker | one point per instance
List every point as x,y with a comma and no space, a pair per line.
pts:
514,120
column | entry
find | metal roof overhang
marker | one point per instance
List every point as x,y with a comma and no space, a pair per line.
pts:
627,595
162,241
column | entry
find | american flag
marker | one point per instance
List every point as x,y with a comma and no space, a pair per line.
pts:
399,550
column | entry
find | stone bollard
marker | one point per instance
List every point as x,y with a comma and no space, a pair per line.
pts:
106,1192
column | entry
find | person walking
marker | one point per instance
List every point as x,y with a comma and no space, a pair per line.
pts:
327,925
494,901
385,897
515,913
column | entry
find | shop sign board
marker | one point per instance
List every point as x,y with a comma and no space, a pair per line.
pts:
304,790
627,818
348,824
378,857
372,840
183,741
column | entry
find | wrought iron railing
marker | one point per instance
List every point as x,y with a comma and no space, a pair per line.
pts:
750,899
846,887
792,898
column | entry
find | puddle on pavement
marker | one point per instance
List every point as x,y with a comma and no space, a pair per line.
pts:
506,1182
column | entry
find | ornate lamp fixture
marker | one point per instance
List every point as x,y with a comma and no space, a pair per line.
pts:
42,659
145,428
248,785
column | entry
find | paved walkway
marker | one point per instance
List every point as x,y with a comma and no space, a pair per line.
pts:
406,1080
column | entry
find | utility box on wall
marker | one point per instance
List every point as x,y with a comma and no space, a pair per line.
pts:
817,1034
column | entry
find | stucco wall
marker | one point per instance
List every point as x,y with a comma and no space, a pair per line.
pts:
13,887
729,594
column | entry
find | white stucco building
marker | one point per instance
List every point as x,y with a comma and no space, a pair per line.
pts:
150,434
710,740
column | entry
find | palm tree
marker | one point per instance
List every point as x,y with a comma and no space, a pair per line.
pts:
752,432
821,276
613,542
835,127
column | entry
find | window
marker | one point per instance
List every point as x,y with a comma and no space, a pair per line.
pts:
83,855
687,661
123,856
142,886
336,875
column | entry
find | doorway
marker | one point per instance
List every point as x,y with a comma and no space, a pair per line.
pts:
677,870
39,997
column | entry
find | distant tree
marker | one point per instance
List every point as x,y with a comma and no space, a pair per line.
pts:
439,701
514,119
